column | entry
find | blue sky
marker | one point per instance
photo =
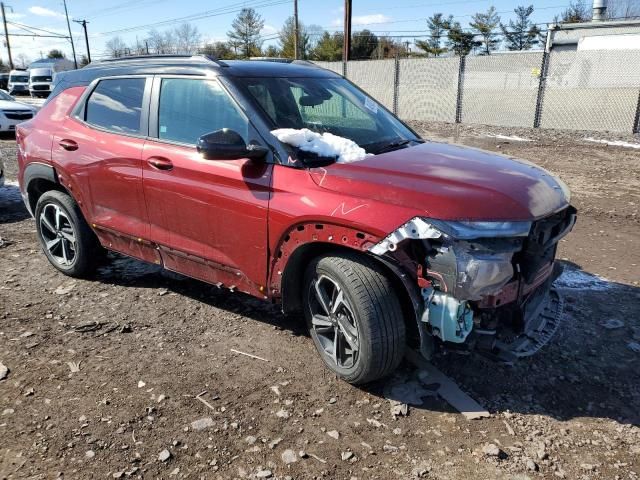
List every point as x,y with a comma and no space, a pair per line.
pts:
404,17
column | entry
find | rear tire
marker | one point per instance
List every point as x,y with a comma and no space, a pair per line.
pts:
354,317
66,239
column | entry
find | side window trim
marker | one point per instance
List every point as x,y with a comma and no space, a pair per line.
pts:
79,112
154,107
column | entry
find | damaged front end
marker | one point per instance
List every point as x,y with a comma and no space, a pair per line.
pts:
484,285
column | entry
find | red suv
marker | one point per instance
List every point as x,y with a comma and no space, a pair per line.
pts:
287,182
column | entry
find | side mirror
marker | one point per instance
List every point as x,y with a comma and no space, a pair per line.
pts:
227,144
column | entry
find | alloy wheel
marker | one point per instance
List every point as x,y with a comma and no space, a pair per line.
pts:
58,234
333,321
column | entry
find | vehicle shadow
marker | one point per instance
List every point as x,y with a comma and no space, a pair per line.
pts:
125,271
12,208
589,369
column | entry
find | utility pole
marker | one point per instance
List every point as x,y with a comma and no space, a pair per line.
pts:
346,53
6,35
86,37
73,48
296,32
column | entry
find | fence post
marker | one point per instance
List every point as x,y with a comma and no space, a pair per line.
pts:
396,84
344,68
544,68
636,124
463,60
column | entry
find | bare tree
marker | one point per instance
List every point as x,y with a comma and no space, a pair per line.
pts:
160,42
623,9
21,61
187,38
116,47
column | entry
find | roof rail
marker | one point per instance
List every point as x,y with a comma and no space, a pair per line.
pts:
161,56
284,60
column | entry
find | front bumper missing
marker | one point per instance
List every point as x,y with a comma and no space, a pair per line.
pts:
541,324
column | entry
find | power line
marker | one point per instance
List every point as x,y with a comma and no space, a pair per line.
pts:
16,24
201,15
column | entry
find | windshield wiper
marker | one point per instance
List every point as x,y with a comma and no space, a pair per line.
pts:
397,144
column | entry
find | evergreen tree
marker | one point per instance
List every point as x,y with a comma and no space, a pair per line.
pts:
55,53
577,12
363,44
329,47
287,39
438,26
521,34
485,24
460,42
245,33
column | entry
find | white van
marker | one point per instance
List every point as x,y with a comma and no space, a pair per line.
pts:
18,82
40,80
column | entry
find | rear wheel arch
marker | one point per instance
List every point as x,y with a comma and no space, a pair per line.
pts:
39,178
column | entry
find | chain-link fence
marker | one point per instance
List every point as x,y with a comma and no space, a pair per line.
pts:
567,89
501,89
374,76
428,89
592,90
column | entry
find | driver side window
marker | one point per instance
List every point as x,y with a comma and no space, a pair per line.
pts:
189,108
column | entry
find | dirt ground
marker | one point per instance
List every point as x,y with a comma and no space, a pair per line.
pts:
132,374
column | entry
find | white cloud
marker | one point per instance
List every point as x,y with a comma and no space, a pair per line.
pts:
268,30
369,19
363,20
44,12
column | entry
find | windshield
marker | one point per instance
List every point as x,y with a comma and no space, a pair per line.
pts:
19,79
5,96
46,78
331,105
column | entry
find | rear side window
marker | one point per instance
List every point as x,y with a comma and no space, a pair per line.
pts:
116,105
190,108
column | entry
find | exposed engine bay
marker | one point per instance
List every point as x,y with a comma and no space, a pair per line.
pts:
484,285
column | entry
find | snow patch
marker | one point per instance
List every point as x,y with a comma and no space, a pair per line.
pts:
614,143
324,145
575,279
513,138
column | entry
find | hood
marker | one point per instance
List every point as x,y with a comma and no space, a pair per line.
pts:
450,182
11,105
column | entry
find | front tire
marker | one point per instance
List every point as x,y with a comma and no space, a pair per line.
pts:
354,317
68,242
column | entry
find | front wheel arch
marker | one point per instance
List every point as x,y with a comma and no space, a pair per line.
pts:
293,275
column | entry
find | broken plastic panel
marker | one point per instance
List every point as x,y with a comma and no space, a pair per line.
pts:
451,319
415,228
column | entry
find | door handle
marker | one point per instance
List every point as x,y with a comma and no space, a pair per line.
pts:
68,145
160,163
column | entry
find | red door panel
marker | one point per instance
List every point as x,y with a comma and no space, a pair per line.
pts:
210,217
106,169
